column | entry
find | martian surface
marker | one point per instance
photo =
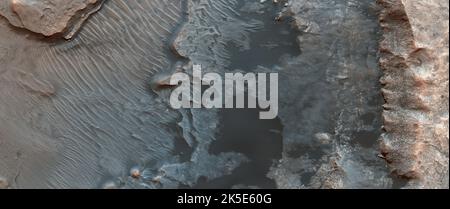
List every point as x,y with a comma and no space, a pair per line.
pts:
363,94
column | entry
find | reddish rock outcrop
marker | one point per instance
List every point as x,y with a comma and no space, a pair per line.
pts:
414,58
49,17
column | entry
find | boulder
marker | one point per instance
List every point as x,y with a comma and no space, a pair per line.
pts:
49,17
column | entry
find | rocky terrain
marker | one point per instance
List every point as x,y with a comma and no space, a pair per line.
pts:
363,94
49,17
414,58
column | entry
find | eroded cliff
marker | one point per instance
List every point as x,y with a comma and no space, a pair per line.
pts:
414,59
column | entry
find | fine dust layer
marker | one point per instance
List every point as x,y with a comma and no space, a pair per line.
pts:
93,112
414,58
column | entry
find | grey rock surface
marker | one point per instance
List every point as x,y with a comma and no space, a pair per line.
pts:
332,87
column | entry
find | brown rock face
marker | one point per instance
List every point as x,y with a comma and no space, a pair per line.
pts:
414,58
49,17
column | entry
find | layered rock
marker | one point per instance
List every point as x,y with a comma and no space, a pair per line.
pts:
414,58
49,17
